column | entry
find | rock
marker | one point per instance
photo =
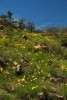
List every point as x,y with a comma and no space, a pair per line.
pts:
24,60
59,80
2,27
53,90
40,47
41,96
25,37
18,70
60,97
64,79
57,96
15,63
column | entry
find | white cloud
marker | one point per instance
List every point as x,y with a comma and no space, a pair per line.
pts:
43,25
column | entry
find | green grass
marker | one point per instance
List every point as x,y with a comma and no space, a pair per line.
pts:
43,65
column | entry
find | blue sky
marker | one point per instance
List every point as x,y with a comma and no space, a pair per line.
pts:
42,12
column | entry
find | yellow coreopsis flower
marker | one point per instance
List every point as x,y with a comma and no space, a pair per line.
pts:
23,79
35,79
1,69
66,84
34,87
66,69
62,67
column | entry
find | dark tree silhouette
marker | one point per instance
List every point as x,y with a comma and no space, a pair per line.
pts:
21,23
9,15
31,26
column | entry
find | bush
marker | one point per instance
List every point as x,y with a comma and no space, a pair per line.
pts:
9,32
64,42
6,97
55,49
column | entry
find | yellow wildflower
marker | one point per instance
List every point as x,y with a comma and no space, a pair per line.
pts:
66,69
62,67
23,79
23,85
35,78
1,69
66,84
34,87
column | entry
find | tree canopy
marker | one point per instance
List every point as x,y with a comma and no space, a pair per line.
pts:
8,21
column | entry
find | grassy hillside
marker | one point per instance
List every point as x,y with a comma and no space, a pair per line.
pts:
43,61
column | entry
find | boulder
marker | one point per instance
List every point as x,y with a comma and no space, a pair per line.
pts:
40,47
18,69
25,37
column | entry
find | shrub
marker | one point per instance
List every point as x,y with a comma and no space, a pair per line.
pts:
6,97
9,32
64,41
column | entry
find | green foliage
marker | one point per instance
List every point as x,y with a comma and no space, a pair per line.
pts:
9,32
8,21
64,41
31,27
9,15
21,24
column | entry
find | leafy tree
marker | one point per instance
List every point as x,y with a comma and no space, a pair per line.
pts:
6,19
9,15
21,23
9,18
3,19
31,26
3,16
15,24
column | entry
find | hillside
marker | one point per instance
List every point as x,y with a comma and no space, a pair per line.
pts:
33,66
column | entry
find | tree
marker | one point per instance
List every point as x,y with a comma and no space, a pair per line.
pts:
9,15
21,23
3,19
10,19
3,16
31,26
